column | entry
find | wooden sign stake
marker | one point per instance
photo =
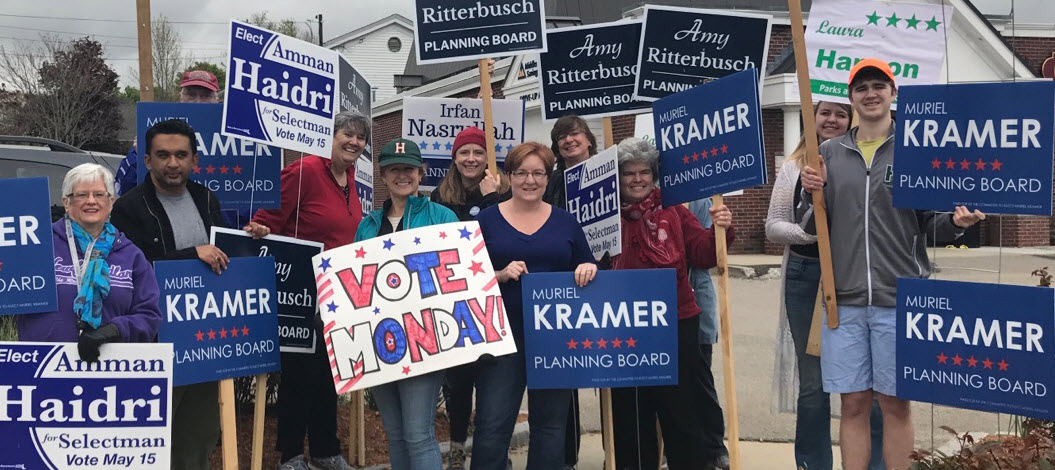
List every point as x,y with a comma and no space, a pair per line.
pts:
485,93
820,215
228,426
259,406
356,434
607,427
146,56
732,422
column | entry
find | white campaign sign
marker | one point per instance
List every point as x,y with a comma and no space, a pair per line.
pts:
409,303
592,189
909,36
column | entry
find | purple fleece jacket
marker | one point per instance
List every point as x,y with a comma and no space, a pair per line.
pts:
132,304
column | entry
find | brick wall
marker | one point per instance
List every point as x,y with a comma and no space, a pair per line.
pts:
1033,50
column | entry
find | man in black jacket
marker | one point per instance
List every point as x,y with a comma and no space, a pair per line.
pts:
169,217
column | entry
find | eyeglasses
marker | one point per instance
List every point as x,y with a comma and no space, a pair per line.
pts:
81,197
522,175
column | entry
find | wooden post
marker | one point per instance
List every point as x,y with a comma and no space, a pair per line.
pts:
732,422
607,427
659,436
228,427
146,55
485,92
359,407
820,215
258,421
813,345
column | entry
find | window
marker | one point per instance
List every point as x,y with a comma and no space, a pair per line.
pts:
394,44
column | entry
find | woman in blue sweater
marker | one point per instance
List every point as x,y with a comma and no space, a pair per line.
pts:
525,235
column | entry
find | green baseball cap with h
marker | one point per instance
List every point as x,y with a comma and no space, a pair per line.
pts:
400,151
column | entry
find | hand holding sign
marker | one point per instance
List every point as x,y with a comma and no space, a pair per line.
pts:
964,218
814,178
512,272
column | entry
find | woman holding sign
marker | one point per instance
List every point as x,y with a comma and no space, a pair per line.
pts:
672,237
319,203
106,287
408,406
525,235
468,188
574,143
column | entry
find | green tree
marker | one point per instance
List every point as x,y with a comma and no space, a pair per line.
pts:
289,26
129,93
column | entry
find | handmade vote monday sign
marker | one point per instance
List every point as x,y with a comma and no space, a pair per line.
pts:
986,347
409,303
684,47
434,123
621,330
986,146
58,412
710,139
294,281
27,256
589,71
243,174
453,30
221,325
280,90
592,191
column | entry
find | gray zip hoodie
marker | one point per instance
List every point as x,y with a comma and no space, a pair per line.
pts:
872,242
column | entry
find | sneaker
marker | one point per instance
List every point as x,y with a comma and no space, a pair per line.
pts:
296,463
456,457
329,463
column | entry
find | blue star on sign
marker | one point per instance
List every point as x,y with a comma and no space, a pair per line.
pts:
509,147
424,144
325,264
376,310
498,147
417,240
449,146
436,145
464,233
331,306
389,244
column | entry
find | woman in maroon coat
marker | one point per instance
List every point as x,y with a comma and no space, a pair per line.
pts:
658,237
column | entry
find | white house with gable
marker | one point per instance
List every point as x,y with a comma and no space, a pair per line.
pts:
378,50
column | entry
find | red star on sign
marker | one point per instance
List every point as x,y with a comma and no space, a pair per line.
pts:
212,334
443,235
714,151
1,265
572,344
685,160
617,343
965,165
245,331
695,156
223,169
234,332
223,333
996,164
935,164
199,336
725,148
631,343
197,169
360,253
972,362
1003,364
406,370
210,169
587,344
942,358
476,267
987,364
979,165
949,164
237,169
957,360
601,343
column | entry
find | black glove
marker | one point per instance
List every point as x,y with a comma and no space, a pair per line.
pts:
90,340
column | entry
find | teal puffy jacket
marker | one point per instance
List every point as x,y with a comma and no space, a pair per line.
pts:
420,212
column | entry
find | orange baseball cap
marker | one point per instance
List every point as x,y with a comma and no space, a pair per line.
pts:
873,63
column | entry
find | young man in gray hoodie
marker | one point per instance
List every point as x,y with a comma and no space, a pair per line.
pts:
873,244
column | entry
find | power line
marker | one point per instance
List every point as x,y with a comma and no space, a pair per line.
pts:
100,35
104,45
107,20
45,56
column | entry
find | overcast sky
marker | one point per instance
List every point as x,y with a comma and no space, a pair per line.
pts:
202,22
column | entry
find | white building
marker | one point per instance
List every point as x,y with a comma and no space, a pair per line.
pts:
379,51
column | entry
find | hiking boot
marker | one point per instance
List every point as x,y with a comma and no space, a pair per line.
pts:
329,463
456,457
296,463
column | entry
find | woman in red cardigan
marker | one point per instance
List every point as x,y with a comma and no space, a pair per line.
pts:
658,237
319,204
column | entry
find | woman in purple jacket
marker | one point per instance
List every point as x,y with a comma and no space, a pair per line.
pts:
106,288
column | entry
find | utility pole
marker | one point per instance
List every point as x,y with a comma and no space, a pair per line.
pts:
146,56
319,17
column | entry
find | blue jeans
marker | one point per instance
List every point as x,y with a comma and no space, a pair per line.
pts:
813,442
408,411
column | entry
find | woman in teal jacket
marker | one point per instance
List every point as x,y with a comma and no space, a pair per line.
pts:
407,406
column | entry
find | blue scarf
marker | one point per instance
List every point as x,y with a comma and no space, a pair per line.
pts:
95,286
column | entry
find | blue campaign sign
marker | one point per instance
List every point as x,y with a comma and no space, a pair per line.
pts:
592,196
684,47
27,255
243,174
589,71
710,139
221,326
280,90
987,347
355,95
453,30
987,146
621,330
61,413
